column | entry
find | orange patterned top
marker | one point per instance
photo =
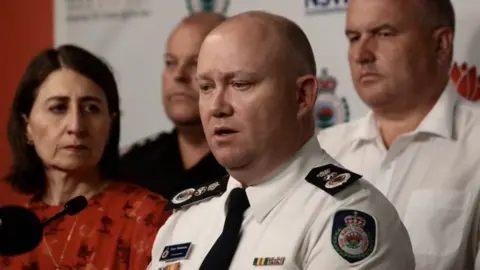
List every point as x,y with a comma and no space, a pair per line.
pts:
115,232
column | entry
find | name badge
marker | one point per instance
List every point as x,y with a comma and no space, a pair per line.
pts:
176,252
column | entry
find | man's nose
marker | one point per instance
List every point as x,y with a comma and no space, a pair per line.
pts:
181,74
221,105
364,52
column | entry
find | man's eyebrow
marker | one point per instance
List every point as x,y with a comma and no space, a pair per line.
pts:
170,55
349,32
202,76
372,30
228,75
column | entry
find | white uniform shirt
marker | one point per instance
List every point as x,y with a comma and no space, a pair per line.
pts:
291,220
432,176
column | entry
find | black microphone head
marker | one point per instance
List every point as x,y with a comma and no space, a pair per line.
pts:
75,205
20,231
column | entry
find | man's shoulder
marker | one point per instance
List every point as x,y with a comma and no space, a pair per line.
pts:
332,185
358,209
466,130
148,144
197,195
467,117
332,179
336,189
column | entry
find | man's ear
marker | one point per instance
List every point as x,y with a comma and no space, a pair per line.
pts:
443,37
307,88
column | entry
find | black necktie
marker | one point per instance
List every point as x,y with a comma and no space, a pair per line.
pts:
221,254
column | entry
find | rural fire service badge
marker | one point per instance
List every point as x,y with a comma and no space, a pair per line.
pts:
354,235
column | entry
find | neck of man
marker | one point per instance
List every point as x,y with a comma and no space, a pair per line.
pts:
401,118
63,186
269,161
192,144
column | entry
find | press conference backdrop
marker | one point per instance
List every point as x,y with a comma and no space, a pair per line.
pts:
130,35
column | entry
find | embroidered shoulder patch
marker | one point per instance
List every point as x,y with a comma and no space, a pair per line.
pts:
332,179
195,195
354,235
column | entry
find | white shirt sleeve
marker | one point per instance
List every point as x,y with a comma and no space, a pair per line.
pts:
353,237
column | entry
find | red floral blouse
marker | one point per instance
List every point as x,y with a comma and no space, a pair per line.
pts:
116,231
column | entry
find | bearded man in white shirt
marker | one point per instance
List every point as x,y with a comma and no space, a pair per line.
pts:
418,144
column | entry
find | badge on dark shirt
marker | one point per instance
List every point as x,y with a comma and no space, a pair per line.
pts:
194,195
332,179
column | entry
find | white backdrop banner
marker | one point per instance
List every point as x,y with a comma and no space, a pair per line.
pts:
130,35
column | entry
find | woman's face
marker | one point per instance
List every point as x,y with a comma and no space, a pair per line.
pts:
69,124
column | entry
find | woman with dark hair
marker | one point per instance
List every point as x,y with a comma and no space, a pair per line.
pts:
64,133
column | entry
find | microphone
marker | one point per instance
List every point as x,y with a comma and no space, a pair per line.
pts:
71,208
21,230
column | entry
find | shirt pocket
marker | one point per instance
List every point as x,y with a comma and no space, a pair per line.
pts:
436,220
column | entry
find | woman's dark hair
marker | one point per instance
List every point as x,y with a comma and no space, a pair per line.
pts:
27,174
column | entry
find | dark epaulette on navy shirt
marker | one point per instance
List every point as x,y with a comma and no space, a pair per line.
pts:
331,178
195,195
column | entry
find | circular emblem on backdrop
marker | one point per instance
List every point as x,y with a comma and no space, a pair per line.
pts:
351,238
218,6
337,180
329,109
183,196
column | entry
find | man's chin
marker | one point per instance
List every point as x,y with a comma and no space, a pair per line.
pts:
186,121
229,161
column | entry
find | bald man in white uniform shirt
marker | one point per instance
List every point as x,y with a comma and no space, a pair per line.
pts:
286,204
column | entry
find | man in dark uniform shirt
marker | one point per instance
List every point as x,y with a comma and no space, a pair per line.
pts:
172,162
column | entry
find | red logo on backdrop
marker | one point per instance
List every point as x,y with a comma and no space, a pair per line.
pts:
467,81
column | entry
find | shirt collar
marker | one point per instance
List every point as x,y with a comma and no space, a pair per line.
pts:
265,196
367,128
439,121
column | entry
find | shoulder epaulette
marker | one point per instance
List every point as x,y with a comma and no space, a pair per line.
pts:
197,194
332,179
